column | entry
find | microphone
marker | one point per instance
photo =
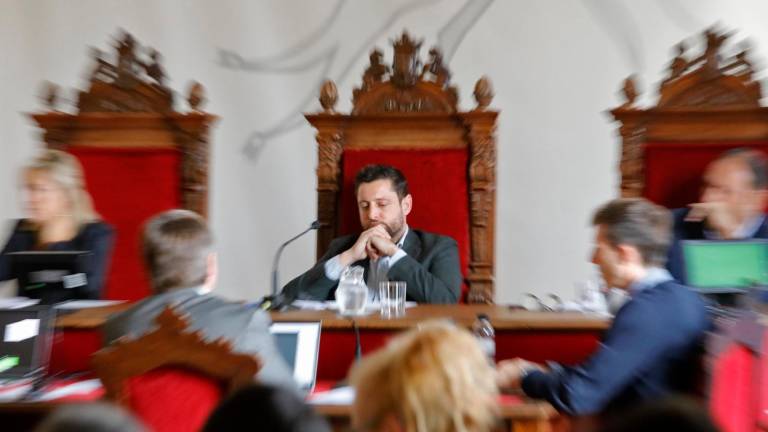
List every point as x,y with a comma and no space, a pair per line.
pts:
276,262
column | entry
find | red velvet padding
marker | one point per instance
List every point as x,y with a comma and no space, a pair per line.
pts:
437,180
128,186
673,170
732,399
173,400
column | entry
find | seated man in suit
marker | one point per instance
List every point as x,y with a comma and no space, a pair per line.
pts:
182,266
733,201
388,248
652,347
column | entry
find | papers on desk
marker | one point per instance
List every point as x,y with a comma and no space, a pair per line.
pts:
338,396
86,304
17,302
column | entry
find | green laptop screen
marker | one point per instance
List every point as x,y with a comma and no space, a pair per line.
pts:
713,265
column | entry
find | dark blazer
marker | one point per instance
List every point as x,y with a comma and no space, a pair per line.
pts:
96,237
651,350
430,269
246,327
685,230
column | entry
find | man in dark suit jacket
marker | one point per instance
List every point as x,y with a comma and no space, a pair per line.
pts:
387,248
178,252
652,348
733,200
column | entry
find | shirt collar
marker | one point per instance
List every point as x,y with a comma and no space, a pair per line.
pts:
653,277
401,242
747,230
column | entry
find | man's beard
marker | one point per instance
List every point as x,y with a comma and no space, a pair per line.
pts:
393,229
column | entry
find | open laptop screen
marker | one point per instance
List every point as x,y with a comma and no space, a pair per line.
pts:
720,266
299,344
25,341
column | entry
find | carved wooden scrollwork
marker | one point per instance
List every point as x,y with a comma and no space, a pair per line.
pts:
405,86
330,146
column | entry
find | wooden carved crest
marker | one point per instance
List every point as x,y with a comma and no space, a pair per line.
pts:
710,78
710,95
133,81
405,85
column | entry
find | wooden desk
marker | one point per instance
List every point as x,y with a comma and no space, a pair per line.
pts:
537,336
529,416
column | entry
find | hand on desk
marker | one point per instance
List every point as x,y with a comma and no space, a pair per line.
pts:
510,373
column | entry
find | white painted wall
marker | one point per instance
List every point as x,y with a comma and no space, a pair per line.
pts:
556,67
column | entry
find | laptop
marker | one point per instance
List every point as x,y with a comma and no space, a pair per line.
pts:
299,344
725,266
51,276
26,335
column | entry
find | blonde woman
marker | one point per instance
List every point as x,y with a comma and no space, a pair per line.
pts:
431,379
59,217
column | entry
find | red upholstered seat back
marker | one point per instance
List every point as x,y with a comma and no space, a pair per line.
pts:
733,390
673,170
173,400
438,182
128,186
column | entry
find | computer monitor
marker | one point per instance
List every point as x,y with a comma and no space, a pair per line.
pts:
25,341
299,344
51,276
720,266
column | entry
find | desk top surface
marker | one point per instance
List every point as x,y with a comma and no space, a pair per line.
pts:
502,318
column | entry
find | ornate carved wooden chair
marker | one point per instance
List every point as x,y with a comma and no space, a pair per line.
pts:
707,104
408,116
140,155
171,378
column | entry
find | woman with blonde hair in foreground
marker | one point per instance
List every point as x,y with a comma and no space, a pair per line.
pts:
431,379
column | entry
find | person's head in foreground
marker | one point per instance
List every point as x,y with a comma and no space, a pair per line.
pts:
632,235
90,417
262,407
178,251
679,414
431,379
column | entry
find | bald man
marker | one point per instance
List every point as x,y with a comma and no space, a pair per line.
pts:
733,199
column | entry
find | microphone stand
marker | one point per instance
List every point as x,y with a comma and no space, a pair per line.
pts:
275,300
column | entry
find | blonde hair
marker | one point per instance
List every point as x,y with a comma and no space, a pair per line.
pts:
432,379
65,170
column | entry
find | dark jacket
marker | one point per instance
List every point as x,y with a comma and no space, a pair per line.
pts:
685,230
430,269
96,237
650,351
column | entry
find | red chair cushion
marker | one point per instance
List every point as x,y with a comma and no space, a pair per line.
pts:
731,400
438,181
673,170
128,186
173,400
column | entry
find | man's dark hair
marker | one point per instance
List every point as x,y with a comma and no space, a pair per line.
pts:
371,173
639,223
176,245
755,160
270,408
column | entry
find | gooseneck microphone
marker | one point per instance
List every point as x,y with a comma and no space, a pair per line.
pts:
276,262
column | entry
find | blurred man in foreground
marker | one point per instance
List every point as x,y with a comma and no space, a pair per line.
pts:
182,266
652,347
